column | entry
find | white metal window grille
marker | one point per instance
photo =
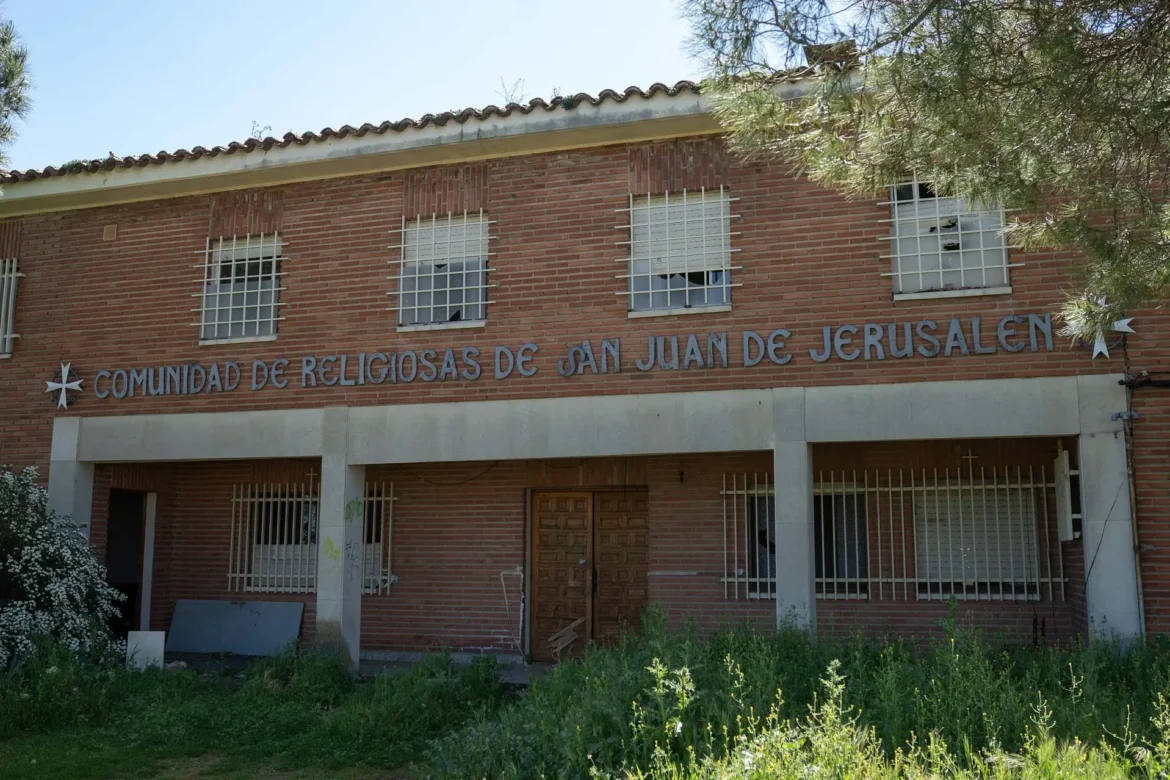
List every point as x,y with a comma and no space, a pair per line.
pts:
887,534
973,541
377,529
943,245
9,275
749,544
443,274
680,251
840,542
240,299
273,543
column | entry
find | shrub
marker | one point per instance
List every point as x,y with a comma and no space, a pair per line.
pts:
51,585
675,702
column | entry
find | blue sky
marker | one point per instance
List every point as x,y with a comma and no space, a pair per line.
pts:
135,76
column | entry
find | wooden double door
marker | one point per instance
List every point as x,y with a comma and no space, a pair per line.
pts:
589,556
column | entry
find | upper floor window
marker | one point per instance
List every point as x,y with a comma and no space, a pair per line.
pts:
680,252
9,275
241,288
945,246
444,268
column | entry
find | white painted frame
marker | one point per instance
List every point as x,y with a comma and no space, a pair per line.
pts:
149,518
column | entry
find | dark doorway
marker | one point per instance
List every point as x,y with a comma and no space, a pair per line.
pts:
124,534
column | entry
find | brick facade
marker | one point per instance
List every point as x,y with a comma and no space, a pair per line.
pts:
809,258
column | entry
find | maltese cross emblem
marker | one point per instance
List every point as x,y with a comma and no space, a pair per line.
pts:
68,386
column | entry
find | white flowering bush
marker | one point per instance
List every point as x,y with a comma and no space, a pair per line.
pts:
52,588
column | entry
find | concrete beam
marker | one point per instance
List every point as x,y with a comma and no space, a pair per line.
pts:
968,409
596,426
292,433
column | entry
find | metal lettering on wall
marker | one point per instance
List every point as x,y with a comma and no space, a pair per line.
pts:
867,342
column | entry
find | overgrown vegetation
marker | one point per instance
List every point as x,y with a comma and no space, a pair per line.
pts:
52,589
63,718
736,704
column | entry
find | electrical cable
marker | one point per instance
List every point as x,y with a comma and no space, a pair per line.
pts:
1093,562
451,484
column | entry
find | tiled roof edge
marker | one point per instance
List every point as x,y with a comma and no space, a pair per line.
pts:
565,102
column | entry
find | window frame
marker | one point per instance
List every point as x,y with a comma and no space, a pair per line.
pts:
260,249
854,584
999,588
647,205
276,530
10,276
484,224
954,214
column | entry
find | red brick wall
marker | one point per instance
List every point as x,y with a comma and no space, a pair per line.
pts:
193,528
456,527
810,258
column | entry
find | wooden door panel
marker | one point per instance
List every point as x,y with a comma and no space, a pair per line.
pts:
621,554
561,568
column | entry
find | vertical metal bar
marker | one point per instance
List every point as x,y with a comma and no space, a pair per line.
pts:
724,514
232,541
735,529
263,499
963,527
304,516
857,537
1029,528
833,512
986,546
248,540
769,500
878,522
204,298
747,543
819,497
284,548
7,281
999,532
1059,547
666,232
950,532
390,539
937,561
1047,537
252,539
902,520
686,256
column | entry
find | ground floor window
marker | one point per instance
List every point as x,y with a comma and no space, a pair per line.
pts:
974,540
977,533
840,544
274,538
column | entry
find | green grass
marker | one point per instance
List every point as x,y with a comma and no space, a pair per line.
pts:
735,704
293,712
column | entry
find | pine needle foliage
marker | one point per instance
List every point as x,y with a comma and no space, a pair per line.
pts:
1057,109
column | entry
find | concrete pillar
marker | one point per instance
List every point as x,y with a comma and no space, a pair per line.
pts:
339,542
792,461
1111,589
70,480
